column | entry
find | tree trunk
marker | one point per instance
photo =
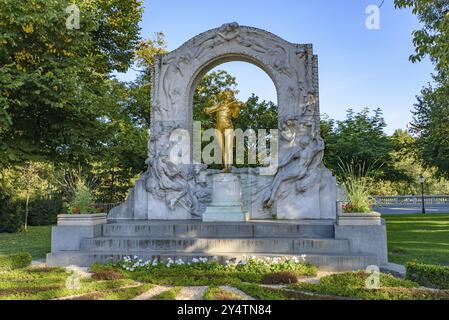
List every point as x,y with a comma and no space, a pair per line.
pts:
26,210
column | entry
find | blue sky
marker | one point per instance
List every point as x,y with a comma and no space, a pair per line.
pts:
357,67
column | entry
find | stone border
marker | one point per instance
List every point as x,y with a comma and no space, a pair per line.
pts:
82,219
359,219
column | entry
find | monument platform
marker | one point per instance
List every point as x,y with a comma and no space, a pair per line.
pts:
312,241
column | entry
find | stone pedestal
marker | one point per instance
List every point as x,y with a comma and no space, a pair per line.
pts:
226,203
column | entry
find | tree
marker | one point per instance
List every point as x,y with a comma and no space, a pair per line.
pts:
430,124
359,139
431,112
53,79
433,39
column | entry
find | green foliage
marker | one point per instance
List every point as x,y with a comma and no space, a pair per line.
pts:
418,237
44,211
431,111
15,261
428,275
357,186
216,293
124,293
11,215
432,39
167,295
53,80
353,285
430,118
36,241
209,273
359,139
259,292
83,199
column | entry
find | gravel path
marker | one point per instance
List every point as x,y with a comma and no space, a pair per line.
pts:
191,293
237,292
152,293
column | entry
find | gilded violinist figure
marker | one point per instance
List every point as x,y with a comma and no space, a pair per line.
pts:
226,109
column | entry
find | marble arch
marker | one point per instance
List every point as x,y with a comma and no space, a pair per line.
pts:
303,187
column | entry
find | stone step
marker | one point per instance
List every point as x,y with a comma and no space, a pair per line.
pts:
215,246
326,262
192,229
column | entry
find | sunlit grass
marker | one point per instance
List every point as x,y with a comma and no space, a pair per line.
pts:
424,238
36,241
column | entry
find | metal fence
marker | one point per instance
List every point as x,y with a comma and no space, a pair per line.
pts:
410,200
105,207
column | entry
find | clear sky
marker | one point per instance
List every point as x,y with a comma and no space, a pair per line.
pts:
358,67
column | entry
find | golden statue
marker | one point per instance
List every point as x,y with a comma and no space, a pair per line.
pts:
227,108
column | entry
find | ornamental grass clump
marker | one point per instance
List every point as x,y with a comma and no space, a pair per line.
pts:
357,186
82,198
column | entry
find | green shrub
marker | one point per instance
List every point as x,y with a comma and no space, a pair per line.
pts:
15,261
44,212
428,275
283,277
11,215
83,198
352,285
357,186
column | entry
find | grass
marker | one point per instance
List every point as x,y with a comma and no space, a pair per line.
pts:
352,285
36,242
116,294
422,238
216,293
168,295
49,283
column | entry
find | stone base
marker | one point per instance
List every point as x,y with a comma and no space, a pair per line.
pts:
319,242
224,214
226,203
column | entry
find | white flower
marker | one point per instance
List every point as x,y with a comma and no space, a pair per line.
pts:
195,260
135,257
179,262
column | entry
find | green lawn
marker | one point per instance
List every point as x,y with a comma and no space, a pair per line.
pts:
424,238
36,241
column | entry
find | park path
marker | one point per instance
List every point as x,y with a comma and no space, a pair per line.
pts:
237,292
191,293
152,293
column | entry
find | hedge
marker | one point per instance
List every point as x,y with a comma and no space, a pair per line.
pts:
428,275
15,261
42,212
11,215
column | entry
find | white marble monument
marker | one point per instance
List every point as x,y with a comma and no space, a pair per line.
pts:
300,188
